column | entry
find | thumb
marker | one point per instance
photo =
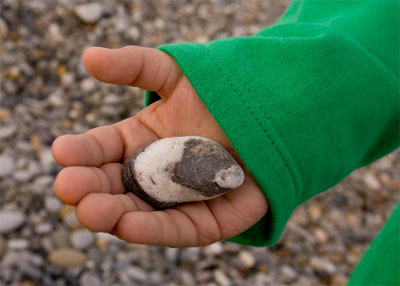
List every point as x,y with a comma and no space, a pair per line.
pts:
146,68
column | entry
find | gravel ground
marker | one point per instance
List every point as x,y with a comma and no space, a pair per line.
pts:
46,92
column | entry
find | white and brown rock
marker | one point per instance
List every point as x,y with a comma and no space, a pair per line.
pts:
181,169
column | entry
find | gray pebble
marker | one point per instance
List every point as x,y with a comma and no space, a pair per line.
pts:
7,131
89,13
181,169
52,204
7,165
90,278
17,243
81,238
10,220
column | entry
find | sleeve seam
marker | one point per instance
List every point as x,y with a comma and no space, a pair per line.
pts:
292,176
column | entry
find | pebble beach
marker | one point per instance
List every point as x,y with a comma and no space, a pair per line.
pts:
45,92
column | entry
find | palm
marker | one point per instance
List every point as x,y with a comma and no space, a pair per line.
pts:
92,181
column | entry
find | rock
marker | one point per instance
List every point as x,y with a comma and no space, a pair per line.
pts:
10,220
82,238
88,85
68,257
136,273
221,278
321,264
71,220
60,237
247,259
288,272
43,228
7,165
90,12
7,131
52,204
17,243
213,249
181,169
90,278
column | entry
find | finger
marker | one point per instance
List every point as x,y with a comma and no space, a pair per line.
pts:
96,147
74,183
191,225
101,212
147,68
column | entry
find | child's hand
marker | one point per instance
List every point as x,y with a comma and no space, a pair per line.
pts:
91,179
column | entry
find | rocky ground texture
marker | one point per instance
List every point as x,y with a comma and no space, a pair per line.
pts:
46,92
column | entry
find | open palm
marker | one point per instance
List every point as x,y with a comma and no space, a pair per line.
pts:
91,179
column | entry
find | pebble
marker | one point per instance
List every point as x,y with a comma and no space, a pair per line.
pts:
221,278
60,237
7,165
89,13
181,169
82,238
11,220
247,259
322,264
43,228
71,220
68,257
87,85
136,273
52,204
17,243
7,131
90,279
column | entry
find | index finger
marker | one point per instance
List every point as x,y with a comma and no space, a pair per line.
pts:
96,147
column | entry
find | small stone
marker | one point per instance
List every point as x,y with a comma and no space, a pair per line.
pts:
7,131
57,99
288,272
213,249
68,257
7,165
43,228
136,273
372,181
17,243
87,85
181,169
221,278
82,238
10,220
247,259
89,13
322,264
89,278
71,220
52,204
60,238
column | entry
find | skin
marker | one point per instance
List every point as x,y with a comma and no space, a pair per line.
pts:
92,161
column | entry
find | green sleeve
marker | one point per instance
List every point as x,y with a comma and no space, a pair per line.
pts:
304,102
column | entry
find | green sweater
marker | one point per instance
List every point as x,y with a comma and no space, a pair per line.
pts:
303,102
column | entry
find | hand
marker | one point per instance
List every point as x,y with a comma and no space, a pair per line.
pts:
91,178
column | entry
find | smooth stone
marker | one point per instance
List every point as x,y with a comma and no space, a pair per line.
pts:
68,257
17,243
89,13
82,238
247,259
52,204
7,165
10,220
181,169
